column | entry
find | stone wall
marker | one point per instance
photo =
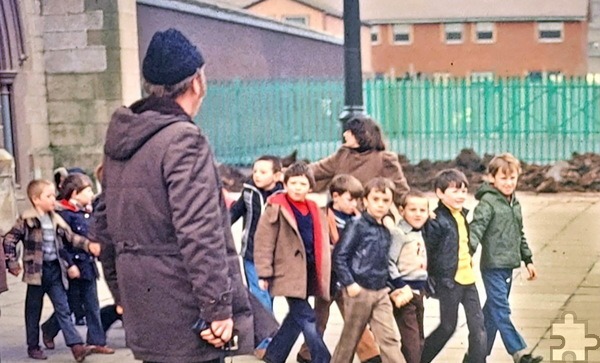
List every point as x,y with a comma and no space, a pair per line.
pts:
8,204
82,65
85,53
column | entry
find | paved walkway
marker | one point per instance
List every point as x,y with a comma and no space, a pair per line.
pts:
563,230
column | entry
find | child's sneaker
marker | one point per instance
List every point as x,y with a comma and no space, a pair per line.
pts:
261,348
36,353
528,358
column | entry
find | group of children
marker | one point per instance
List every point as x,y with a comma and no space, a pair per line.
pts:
58,260
378,268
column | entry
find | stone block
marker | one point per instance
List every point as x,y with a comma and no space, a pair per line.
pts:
73,134
87,60
72,22
108,6
94,37
58,7
68,111
65,40
109,86
70,87
8,204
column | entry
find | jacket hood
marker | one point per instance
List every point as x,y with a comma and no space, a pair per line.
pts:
130,128
487,188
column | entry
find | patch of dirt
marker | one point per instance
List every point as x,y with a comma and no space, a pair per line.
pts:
579,174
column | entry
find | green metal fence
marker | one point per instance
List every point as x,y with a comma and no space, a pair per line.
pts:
245,119
537,120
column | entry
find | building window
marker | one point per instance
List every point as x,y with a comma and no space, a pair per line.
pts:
375,34
550,32
453,33
401,34
296,20
482,76
484,32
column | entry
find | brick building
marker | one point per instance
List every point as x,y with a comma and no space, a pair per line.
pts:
482,37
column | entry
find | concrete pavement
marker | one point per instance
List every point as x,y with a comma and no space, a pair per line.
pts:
563,231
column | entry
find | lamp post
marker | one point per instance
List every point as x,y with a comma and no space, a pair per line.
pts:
353,100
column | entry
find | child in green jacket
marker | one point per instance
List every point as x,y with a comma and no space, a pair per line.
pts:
498,226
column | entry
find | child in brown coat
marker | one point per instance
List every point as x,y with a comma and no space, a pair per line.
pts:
292,258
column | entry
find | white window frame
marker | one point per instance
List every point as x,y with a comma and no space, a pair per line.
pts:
484,28
454,28
405,29
375,31
482,76
295,20
550,27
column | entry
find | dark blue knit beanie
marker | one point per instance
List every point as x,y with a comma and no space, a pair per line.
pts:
170,58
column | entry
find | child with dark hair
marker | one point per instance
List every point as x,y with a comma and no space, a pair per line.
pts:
266,181
292,257
82,271
345,191
450,268
43,234
362,155
360,262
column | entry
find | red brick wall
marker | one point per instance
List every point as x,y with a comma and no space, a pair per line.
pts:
515,51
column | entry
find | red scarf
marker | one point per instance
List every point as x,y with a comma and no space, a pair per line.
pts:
304,207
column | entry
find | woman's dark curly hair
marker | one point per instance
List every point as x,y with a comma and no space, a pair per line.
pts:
367,133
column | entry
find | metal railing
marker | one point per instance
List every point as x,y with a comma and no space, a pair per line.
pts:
537,120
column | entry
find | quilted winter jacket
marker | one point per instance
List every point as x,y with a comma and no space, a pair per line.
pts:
498,226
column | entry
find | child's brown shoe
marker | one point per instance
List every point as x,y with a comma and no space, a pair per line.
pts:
100,349
48,341
36,353
79,352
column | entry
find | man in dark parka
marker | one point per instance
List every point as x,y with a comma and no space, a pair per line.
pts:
163,210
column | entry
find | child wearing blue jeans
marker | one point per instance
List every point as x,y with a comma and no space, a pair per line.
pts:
292,257
43,234
266,175
498,226
77,191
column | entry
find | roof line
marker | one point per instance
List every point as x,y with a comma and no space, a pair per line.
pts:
473,19
241,17
326,11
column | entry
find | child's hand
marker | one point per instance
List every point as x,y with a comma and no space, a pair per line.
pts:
119,309
15,271
263,284
402,296
73,272
532,272
94,248
353,289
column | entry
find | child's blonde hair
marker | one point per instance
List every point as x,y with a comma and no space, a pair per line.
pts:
506,163
36,187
